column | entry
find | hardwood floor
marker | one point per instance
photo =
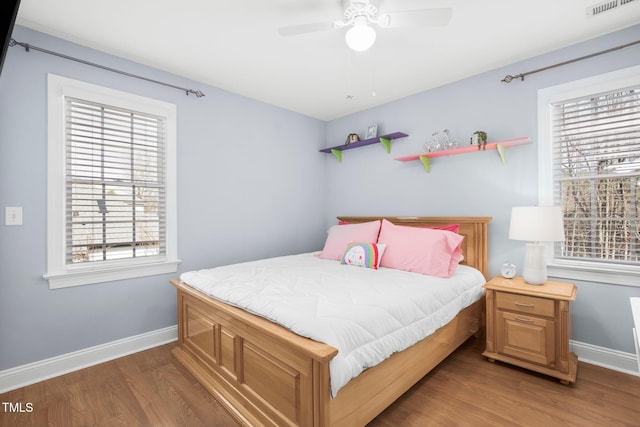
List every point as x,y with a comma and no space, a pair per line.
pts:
152,389
149,388
467,390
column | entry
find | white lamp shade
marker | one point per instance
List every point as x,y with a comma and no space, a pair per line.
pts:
536,224
360,37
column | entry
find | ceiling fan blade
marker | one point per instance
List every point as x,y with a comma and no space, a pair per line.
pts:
418,18
295,30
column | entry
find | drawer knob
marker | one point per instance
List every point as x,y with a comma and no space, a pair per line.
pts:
522,319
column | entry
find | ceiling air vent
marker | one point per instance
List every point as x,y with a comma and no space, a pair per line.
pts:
600,8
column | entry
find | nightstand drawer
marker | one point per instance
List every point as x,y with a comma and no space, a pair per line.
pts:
527,338
525,304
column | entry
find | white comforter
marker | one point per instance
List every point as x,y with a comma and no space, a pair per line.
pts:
366,314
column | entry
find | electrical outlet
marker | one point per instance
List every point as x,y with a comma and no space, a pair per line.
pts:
12,216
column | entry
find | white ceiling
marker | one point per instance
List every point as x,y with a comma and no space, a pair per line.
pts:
234,45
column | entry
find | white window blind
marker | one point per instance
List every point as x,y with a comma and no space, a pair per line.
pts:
115,183
111,185
596,175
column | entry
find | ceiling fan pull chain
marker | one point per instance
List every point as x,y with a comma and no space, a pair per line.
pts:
349,95
373,72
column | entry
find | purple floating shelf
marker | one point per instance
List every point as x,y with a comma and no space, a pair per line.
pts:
342,147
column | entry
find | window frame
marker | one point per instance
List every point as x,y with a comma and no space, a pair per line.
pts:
59,273
602,272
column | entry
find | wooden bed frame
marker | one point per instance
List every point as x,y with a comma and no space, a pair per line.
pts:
266,375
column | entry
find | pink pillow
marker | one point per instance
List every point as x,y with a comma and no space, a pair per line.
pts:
341,235
448,227
420,250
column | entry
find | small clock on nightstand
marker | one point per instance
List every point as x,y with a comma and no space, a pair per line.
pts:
508,270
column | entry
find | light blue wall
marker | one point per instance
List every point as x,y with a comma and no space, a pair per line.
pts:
370,181
250,184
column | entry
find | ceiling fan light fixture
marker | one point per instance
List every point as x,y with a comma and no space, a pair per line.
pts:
360,37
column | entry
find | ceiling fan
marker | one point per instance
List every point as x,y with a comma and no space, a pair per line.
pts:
360,15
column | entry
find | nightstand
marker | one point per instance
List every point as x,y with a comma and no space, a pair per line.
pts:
529,326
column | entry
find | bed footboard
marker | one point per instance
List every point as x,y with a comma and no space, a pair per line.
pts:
259,371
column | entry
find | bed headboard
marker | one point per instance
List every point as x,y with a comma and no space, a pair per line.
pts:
473,228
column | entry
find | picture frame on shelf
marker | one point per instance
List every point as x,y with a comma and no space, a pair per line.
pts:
372,131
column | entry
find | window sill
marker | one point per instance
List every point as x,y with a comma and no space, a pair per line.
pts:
588,272
87,276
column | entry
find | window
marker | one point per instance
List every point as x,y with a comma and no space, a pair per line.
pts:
590,166
111,208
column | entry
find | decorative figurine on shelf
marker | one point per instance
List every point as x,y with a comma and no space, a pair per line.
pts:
440,141
353,137
479,137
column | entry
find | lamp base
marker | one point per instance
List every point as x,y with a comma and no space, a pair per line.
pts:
534,271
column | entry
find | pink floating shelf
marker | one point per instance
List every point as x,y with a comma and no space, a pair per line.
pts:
499,146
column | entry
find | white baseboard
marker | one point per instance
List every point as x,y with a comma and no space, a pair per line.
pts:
21,376
605,357
31,373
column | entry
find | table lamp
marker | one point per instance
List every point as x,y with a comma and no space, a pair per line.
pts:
536,224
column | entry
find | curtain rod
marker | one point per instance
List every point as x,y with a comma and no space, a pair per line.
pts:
508,78
27,47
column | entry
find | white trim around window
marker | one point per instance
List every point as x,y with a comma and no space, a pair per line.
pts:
61,273
610,273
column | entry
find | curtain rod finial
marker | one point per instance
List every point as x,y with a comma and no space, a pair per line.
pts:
197,93
509,78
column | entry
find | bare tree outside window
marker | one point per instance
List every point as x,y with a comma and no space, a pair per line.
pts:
596,153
